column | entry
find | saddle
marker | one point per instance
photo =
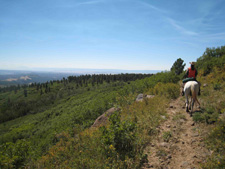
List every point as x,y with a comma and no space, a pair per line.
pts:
189,79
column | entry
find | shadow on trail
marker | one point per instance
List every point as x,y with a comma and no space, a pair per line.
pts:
204,116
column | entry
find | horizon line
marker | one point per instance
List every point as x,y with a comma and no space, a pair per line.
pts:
46,68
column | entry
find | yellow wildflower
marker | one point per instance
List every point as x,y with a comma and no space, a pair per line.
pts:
111,146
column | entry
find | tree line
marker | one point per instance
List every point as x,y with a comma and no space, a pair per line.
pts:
100,78
80,81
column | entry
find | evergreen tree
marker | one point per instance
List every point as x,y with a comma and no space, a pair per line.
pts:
9,101
37,87
178,66
25,92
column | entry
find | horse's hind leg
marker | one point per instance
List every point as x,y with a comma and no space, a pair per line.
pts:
190,103
187,103
192,106
187,110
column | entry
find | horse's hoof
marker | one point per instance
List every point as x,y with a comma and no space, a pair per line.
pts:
187,110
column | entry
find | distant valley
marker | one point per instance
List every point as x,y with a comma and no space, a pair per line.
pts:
15,77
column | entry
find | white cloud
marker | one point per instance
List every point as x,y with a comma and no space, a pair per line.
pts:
164,14
213,37
180,28
90,2
153,7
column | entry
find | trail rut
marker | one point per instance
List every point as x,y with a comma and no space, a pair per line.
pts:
179,143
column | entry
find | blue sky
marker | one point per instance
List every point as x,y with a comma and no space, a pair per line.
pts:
107,34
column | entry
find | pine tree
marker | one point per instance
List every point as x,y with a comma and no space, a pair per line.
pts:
25,92
178,66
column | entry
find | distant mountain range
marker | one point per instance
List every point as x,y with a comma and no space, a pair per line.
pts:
88,71
14,77
40,75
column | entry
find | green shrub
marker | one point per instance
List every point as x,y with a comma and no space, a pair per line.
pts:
14,154
119,138
216,142
208,115
170,90
211,118
216,86
198,117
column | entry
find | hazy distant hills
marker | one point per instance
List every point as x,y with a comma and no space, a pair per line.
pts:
92,71
14,77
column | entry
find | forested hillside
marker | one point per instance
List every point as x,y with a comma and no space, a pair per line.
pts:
48,125
32,116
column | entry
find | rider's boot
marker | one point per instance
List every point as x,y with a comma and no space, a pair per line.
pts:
182,92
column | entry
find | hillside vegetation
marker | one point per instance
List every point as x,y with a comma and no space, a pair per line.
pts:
51,129
32,116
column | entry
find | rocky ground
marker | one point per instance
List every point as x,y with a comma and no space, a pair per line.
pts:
179,143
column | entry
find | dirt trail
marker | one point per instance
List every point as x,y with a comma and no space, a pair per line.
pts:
179,143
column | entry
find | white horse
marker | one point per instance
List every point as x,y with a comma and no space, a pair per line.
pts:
191,88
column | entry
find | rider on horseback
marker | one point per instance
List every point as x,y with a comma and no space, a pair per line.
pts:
191,74
191,71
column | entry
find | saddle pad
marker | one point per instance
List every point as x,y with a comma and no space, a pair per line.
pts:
189,79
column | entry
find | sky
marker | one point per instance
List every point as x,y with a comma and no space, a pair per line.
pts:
108,34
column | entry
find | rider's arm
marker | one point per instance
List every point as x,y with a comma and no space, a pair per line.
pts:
186,74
